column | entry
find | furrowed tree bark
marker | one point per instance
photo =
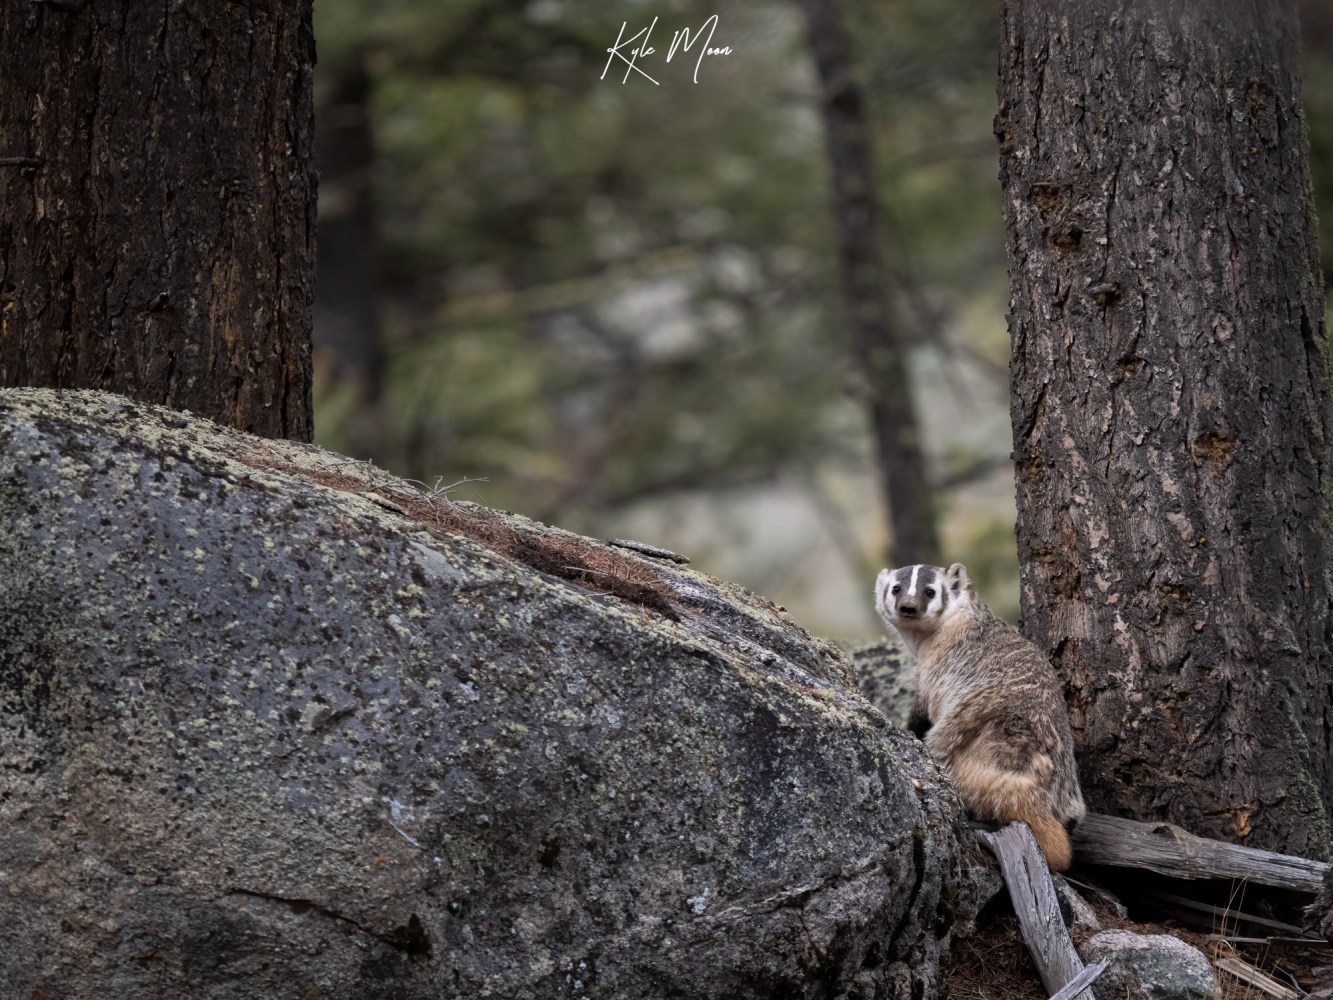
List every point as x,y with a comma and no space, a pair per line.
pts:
157,215
1171,406
879,349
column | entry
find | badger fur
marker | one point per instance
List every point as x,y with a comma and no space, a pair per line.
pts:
989,705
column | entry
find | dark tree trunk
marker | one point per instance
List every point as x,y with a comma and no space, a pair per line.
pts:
157,220
347,326
1317,46
1171,406
880,351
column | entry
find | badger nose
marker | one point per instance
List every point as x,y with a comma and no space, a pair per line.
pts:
907,610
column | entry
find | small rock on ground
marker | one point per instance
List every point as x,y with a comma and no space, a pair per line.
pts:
1150,967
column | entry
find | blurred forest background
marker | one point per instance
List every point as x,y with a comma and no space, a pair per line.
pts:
616,307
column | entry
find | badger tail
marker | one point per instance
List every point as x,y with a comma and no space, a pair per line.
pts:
993,792
1052,839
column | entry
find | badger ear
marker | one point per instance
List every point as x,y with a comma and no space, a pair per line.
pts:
958,578
881,586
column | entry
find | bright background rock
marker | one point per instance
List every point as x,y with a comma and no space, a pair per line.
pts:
261,737
886,677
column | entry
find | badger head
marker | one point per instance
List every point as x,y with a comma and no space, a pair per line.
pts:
917,600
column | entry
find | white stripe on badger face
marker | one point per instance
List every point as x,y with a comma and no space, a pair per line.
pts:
926,579
911,587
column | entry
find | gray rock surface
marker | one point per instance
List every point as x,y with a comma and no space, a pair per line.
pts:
303,733
1149,967
1079,917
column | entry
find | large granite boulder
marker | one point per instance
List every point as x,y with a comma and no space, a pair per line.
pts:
273,724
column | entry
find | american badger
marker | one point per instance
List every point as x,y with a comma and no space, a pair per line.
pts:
988,704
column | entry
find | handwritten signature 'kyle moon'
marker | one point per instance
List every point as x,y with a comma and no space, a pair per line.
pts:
683,39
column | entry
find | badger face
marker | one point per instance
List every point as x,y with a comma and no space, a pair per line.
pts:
918,599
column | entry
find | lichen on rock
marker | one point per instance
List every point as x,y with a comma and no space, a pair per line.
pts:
274,724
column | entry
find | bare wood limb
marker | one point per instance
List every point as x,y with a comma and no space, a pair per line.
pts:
1251,976
1227,914
1268,942
1168,850
1082,981
648,550
972,471
1033,894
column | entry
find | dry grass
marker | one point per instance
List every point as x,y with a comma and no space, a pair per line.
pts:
994,964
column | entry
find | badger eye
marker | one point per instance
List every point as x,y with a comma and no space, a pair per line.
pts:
930,593
895,588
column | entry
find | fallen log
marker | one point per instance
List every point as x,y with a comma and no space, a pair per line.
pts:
1167,849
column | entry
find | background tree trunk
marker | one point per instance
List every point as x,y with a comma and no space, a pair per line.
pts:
879,349
157,206
1170,406
346,327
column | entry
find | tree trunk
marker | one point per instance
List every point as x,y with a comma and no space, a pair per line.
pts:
1171,406
157,219
879,349
346,314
